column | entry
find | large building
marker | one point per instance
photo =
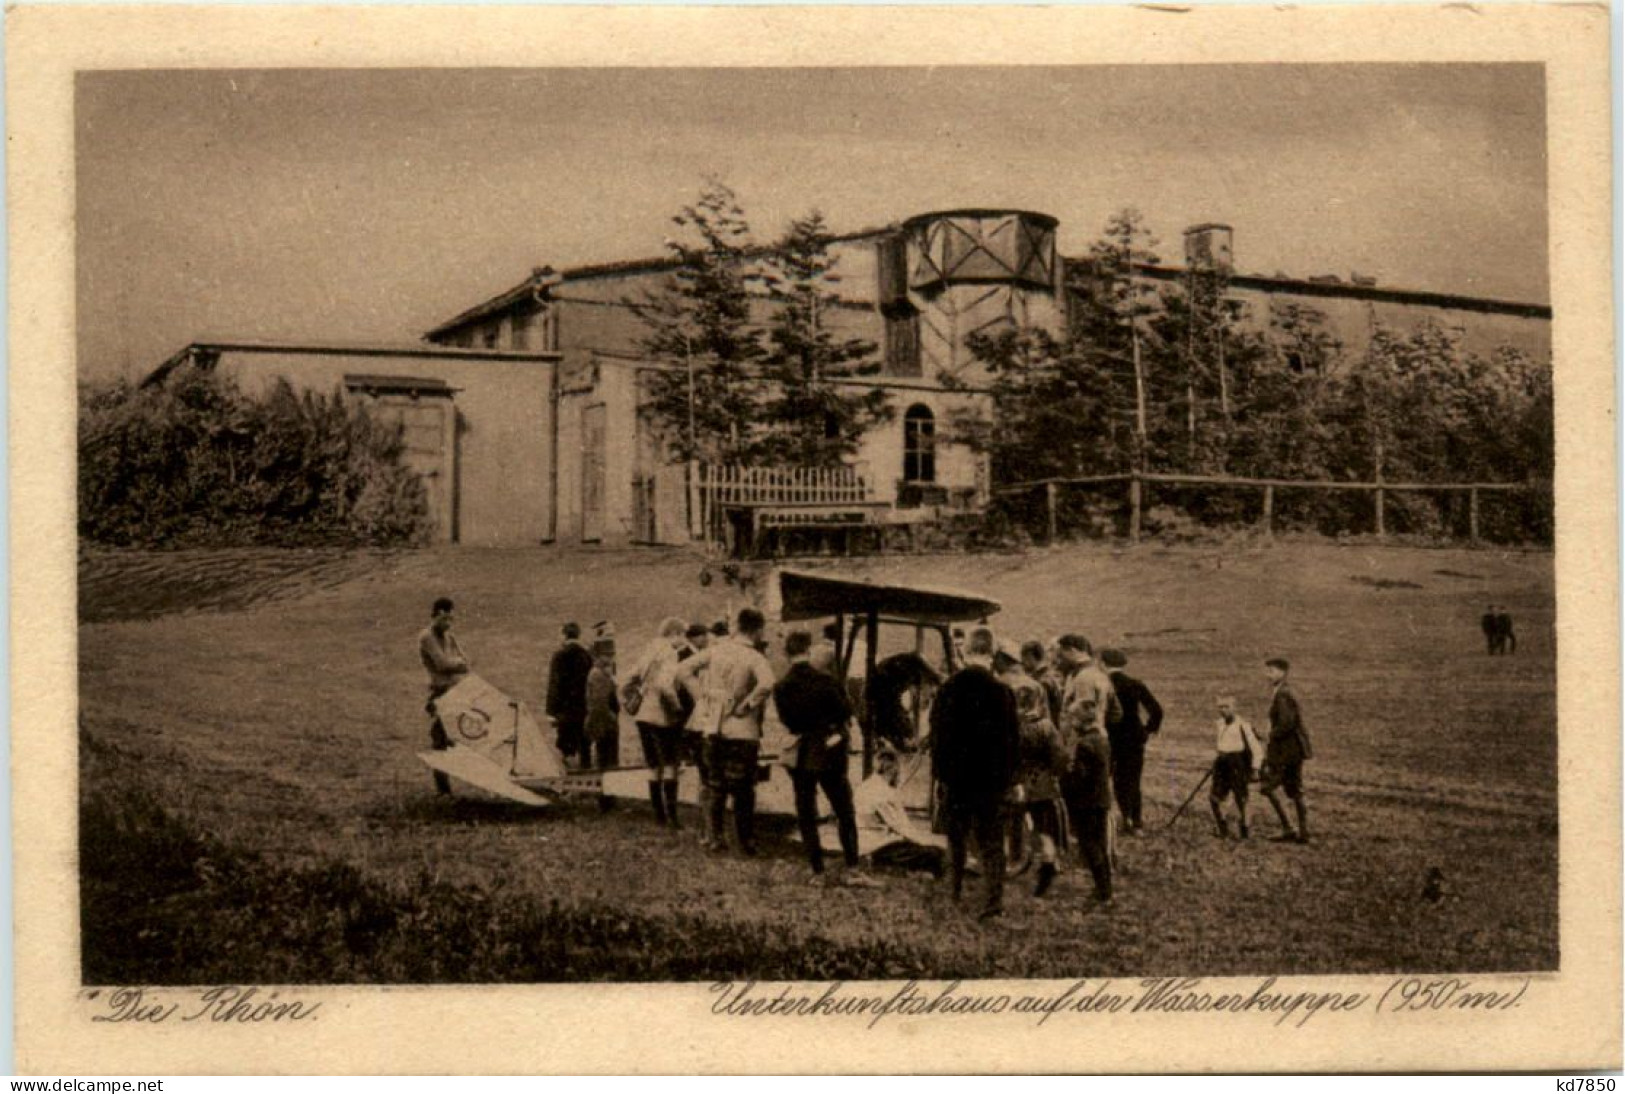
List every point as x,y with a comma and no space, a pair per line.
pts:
533,396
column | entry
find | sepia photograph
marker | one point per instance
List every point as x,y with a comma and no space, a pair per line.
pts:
821,524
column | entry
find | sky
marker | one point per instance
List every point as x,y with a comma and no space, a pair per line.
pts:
370,205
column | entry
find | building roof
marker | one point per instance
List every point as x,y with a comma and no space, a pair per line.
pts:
1355,291
621,268
207,351
545,277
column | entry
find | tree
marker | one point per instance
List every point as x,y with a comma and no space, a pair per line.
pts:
707,406
812,416
1112,305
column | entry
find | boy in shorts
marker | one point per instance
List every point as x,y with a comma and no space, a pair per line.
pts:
1235,765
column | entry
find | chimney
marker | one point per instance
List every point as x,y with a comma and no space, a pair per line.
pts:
1209,247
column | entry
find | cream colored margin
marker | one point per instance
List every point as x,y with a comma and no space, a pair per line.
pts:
1567,1020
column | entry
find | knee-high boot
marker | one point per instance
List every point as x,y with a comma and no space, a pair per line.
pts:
669,787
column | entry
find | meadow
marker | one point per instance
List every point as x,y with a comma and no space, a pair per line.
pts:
252,810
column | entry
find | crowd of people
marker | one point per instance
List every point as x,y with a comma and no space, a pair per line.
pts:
1025,741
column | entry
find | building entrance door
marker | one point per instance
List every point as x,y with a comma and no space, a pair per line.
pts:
427,425
592,473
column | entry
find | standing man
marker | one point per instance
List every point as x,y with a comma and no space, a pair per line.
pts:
1129,733
446,664
738,682
699,637
1044,760
1236,760
1087,695
602,728
1036,665
650,695
814,708
1287,749
1087,787
1503,627
567,694
1490,622
975,755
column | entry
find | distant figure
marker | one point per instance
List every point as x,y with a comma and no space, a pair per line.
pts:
1237,756
1285,753
602,728
446,664
650,695
1503,625
567,694
1044,759
1141,718
1490,622
975,755
738,681
814,708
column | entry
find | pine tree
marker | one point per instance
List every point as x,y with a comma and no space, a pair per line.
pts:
706,405
812,416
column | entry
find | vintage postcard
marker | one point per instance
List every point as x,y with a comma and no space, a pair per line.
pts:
839,539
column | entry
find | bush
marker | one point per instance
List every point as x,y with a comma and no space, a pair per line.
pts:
195,461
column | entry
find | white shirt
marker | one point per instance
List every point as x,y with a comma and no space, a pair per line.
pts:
1237,735
737,682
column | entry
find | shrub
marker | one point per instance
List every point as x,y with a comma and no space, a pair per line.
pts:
195,461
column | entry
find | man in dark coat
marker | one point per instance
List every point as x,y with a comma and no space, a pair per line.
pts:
976,755
1141,717
814,708
1285,752
1087,788
567,694
1490,622
1503,630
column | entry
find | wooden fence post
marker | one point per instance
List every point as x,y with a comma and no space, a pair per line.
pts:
1049,501
1269,510
1382,524
1134,507
1472,515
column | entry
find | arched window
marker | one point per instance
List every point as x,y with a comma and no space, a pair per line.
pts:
919,445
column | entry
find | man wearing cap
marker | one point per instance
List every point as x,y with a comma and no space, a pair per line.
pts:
1141,717
602,728
1087,696
1088,703
446,665
567,694
975,756
1284,754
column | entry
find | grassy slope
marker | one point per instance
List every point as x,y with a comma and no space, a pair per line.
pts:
290,729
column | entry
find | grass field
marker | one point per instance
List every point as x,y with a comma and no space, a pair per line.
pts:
263,708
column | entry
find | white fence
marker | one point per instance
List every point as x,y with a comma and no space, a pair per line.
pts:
716,488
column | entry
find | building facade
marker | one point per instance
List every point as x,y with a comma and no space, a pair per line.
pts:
532,398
